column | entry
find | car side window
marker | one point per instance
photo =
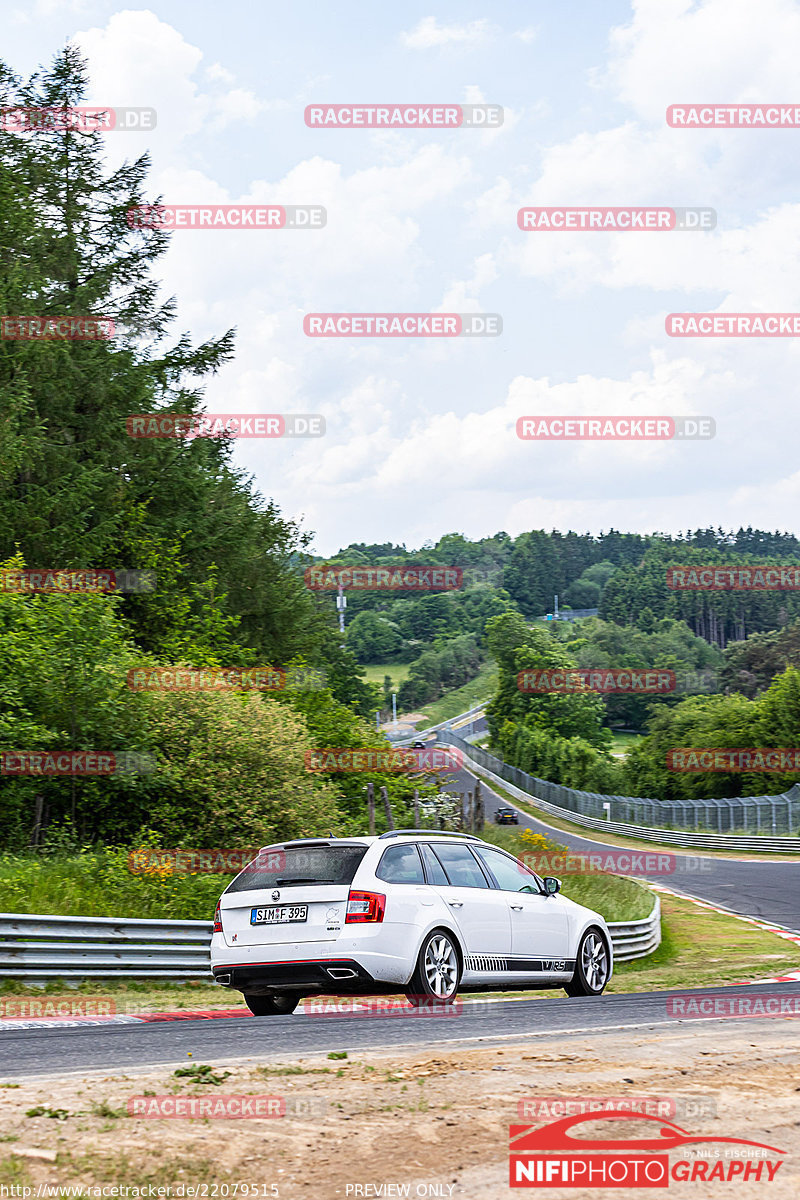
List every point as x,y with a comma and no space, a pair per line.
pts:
510,873
462,869
436,875
400,864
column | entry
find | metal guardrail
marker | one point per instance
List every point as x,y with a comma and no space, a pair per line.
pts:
636,939
511,778
35,949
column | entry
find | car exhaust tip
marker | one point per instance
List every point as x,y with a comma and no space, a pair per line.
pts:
225,980
341,973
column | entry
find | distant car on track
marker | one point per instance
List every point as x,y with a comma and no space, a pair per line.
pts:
419,745
506,816
423,912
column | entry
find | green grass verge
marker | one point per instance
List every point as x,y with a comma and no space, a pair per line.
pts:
97,883
621,743
701,949
452,703
376,672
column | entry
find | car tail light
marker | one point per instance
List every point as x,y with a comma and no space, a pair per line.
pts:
364,906
217,920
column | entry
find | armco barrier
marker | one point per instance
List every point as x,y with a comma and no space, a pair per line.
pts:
636,939
35,949
478,760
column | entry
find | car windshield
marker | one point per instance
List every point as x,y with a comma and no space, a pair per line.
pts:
296,865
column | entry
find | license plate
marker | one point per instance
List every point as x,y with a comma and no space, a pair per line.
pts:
282,914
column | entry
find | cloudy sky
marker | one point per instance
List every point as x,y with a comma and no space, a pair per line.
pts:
421,433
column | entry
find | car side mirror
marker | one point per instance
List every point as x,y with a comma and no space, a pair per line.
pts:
551,885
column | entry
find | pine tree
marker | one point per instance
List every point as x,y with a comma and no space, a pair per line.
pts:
75,488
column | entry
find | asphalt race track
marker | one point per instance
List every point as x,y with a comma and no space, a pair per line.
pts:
767,890
37,1052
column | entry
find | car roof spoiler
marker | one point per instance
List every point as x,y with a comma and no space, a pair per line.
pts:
314,841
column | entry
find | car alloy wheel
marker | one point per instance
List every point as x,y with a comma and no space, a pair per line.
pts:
594,961
438,972
591,969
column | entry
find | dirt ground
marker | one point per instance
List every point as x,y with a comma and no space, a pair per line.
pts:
434,1123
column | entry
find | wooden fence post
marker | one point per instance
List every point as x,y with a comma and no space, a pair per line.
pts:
37,820
478,814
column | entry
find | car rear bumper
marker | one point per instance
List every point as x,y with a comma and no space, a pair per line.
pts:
329,976
307,965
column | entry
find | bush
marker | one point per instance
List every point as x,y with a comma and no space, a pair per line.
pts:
96,882
232,771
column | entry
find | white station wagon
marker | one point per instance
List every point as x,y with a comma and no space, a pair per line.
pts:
417,911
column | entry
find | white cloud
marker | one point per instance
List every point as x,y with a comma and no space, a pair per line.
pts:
464,295
427,465
717,50
217,71
429,33
139,60
44,10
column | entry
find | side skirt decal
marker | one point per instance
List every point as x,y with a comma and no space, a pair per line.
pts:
486,964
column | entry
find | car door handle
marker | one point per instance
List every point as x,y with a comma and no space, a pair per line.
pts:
456,903
517,906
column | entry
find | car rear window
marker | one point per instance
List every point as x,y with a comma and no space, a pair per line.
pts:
400,864
297,865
